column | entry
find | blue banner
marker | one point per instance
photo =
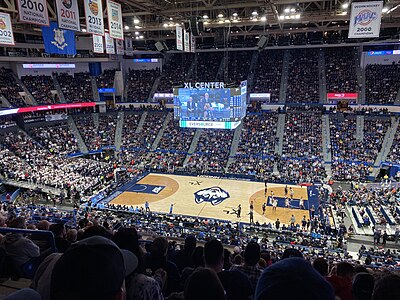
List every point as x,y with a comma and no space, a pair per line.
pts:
57,40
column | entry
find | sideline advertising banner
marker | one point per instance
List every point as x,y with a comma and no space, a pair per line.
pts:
365,19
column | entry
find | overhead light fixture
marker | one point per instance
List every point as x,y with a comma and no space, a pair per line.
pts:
287,10
235,20
297,16
254,13
287,17
165,24
171,19
220,16
235,14
344,13
345,5
385,10
292,10
263,18
136,21
221,21
83,29
227,21
205,17
126,27
206,22
141,37
138,27
281,17
136,32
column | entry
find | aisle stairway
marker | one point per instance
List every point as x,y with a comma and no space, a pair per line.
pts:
284,78
58,88
322,76
193,146
161,131
235,144
326,145
118,130
141,122
81,144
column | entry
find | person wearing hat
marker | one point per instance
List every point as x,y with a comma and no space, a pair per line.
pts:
93,268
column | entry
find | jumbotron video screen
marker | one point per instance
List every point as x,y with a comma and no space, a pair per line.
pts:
210,105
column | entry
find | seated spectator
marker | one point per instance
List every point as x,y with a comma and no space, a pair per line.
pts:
321,265
387,287
204,284
184,258
342,281
59,237
363,286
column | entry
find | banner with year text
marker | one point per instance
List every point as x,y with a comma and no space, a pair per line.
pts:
6,32
98,46
114,13
365,19
94,16
110,49
68,14
33,12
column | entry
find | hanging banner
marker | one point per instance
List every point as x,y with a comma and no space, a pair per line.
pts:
187,41
33,12
114,13
68,14
192,43
6,32
98,44
57,40
179,38
94,16
365,20
120,47
128,46
110,49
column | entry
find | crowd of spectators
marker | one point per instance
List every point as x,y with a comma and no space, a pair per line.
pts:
10,89
131,122
237,66
207,66
340,70
76,87
303,77
146,137
40,86
381,83
57,139
176,138
140,83
175,72
106,79
394,154
268,73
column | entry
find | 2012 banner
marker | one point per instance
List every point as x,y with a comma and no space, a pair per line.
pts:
94,16
365,19
114,13
6,32
68,14
33,12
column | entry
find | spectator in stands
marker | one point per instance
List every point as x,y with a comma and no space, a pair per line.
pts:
204,284
250,267
387,287
342,281
184,257
59,237
363,286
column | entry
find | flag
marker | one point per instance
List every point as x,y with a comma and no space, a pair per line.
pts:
58,41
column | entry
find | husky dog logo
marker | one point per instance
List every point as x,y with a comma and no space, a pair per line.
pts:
59,39
215,195
94,7
365,17
2,24
114,15
67,3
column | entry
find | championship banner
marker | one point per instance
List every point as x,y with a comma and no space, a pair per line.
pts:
33,12
186,41
98,44
179,38
365,19
114,13
6,32
110,49
94,16
68,14
57,40
192,43
128,46
120,47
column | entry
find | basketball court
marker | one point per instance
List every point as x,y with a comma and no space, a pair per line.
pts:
213,198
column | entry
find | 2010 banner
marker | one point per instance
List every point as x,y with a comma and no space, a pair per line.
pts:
33,12
365,19
94,16
114,13
68,14
6,32
110,49
98,46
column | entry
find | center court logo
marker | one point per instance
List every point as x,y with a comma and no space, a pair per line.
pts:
215,195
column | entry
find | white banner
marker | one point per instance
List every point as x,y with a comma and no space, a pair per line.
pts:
6,32
68,14
94,16
187,41
179,38
120,47
128,46
114,13
33,12
110,49
365,20
192,43
98,44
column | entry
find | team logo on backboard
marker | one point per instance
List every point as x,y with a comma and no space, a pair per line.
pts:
215,195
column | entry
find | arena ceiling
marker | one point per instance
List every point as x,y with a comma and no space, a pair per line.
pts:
156,19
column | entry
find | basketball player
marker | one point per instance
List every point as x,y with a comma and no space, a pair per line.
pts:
251,214
264,206
238,211
274,204
147,206
291,193
301,204
171,208
286,190
292,220
251,205
287,202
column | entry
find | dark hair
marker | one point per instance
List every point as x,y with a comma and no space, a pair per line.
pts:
57,229
159,246
344,269
213,252
321,266
190,243
127,238
387,288
252,254
238,259
198,256
363,286
18,222
96,230
202,284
